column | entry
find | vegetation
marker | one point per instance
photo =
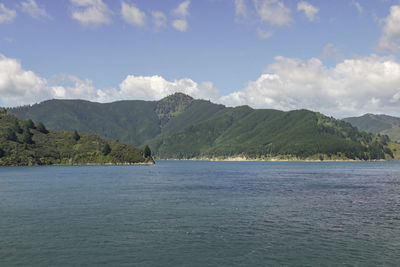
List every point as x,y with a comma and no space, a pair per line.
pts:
180,127
377,124
41,128
35,147
107,149
147,152
76,136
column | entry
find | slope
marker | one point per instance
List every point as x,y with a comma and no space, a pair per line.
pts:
24,143
377,124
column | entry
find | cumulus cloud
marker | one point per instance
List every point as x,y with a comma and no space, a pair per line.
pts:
160,19
309,10
32,9
352,87
20,87
133,15
181,12
156,87
273,12
6,15
91,13
391,31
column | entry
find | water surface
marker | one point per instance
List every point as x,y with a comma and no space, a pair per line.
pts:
192,213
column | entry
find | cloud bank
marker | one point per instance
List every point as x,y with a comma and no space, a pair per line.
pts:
352,87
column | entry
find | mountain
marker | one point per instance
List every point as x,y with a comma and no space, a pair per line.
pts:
179,126
24,143
377,124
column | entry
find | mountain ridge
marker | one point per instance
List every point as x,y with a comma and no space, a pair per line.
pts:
377,124
179,126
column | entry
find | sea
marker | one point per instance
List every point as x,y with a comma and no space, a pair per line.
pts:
200,213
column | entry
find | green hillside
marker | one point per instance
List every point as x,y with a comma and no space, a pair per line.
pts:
180,127
377,124
24,143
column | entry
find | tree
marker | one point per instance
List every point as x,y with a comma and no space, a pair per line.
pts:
27,136
41,128
30,124
17,128
147,152
2,153
106,149
76,136
10,135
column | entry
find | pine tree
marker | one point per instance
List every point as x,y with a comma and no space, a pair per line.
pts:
10,135
76,136
2,153
17,128
41,128
147,152
27,136
106,149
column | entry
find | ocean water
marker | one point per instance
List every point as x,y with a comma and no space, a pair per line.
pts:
189,213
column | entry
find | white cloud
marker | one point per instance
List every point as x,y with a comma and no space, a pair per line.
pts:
156,87
18,86
273,12
6,15
182,10
309,10
359,7
391,31
91,13
132,14
32,9
180,25
352,87
264,34
21,87
240,8
160,19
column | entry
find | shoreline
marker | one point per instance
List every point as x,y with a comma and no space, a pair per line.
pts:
243,159
86,164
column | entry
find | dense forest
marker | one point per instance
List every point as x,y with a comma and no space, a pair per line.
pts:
179,126
23,142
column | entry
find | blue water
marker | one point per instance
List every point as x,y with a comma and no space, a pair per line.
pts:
202,214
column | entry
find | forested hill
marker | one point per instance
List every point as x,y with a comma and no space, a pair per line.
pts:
179,126
26,143
377,124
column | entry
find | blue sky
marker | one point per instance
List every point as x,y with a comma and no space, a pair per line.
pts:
233,52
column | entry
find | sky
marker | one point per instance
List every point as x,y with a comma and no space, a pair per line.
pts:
340,57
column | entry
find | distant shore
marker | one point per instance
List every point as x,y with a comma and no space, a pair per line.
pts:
275,159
